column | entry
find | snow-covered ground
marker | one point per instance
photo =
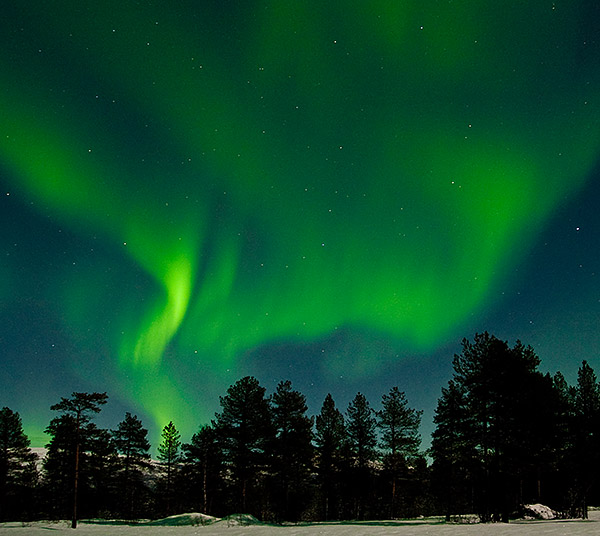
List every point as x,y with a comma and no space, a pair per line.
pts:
181,526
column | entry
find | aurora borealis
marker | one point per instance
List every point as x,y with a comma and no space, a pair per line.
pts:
334,193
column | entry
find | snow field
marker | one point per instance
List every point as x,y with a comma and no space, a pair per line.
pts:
424,527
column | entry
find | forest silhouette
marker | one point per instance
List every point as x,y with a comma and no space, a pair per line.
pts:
506,435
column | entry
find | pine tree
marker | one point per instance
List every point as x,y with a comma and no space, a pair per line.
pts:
453,449
329,439
502,391
76,413
362,441
59,467
95,468
483,371
131,443
400,437
245,432
293,452
561,479
539,439
361,428
100,492
170,456
203,468
18,473
586,434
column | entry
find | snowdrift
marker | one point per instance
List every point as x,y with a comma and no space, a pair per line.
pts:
181,520
240,520
196,518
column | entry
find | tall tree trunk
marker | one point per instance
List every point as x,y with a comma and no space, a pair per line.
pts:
3,479
76,480
169,486
204,491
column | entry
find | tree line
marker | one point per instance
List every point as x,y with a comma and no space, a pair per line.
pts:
505,435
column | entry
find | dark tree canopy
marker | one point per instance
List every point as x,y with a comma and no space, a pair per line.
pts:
399,425
292,452
330,437
18,473
586,437
245,431
130,440
400,439
72,447
494,425
505,435
361,427
81,405
330,429
453,451
204,466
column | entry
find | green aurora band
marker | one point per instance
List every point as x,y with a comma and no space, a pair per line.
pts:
280,170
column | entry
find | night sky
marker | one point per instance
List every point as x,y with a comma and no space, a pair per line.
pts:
334,193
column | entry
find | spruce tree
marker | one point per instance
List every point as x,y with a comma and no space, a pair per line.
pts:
586,424
562,479
453,449
18,473
100,493
361,428
170,456
131,443
292,452
362,441
400,439
330,435
59,467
